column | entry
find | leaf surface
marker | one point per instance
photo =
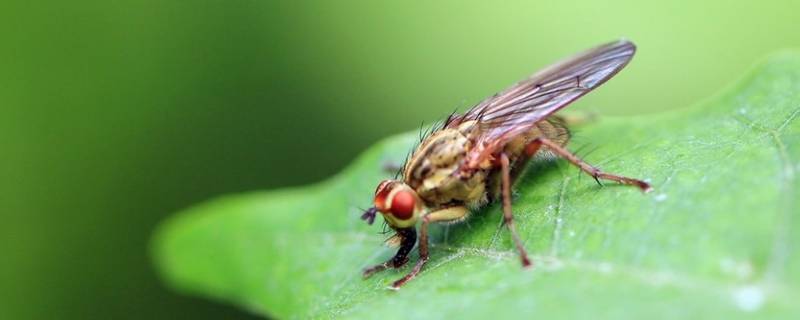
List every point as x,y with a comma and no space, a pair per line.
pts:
717,238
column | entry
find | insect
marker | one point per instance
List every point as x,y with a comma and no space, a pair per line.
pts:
475,157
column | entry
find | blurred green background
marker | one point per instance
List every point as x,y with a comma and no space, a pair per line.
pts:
116,113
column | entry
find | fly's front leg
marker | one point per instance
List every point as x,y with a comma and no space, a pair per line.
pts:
448,214
596,173
408,237
508,216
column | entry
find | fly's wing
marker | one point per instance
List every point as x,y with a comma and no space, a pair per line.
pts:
514,111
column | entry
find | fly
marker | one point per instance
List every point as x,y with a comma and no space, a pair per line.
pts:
475,157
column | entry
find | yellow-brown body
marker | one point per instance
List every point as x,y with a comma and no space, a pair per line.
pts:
477,156
434,170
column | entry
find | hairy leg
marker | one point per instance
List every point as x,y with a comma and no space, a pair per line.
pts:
447,214
508,216
596,173
408,237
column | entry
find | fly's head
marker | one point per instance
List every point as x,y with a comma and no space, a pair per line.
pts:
397,202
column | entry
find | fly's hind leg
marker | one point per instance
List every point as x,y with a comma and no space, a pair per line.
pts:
447,214
508,216
596,173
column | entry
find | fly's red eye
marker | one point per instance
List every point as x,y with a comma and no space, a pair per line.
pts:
403,205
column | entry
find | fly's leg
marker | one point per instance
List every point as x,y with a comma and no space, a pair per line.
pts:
448,214
408,238
508,216
596,173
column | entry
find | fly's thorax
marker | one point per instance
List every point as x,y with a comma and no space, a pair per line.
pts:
434,169
442,150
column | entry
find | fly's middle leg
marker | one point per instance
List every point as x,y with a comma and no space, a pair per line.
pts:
508,216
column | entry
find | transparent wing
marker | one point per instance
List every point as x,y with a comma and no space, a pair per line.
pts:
514,111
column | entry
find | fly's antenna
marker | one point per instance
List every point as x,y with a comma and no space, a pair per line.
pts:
369,215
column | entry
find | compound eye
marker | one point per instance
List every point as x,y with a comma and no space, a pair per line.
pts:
403,204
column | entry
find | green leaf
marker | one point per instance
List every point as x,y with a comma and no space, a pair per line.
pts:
717,238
